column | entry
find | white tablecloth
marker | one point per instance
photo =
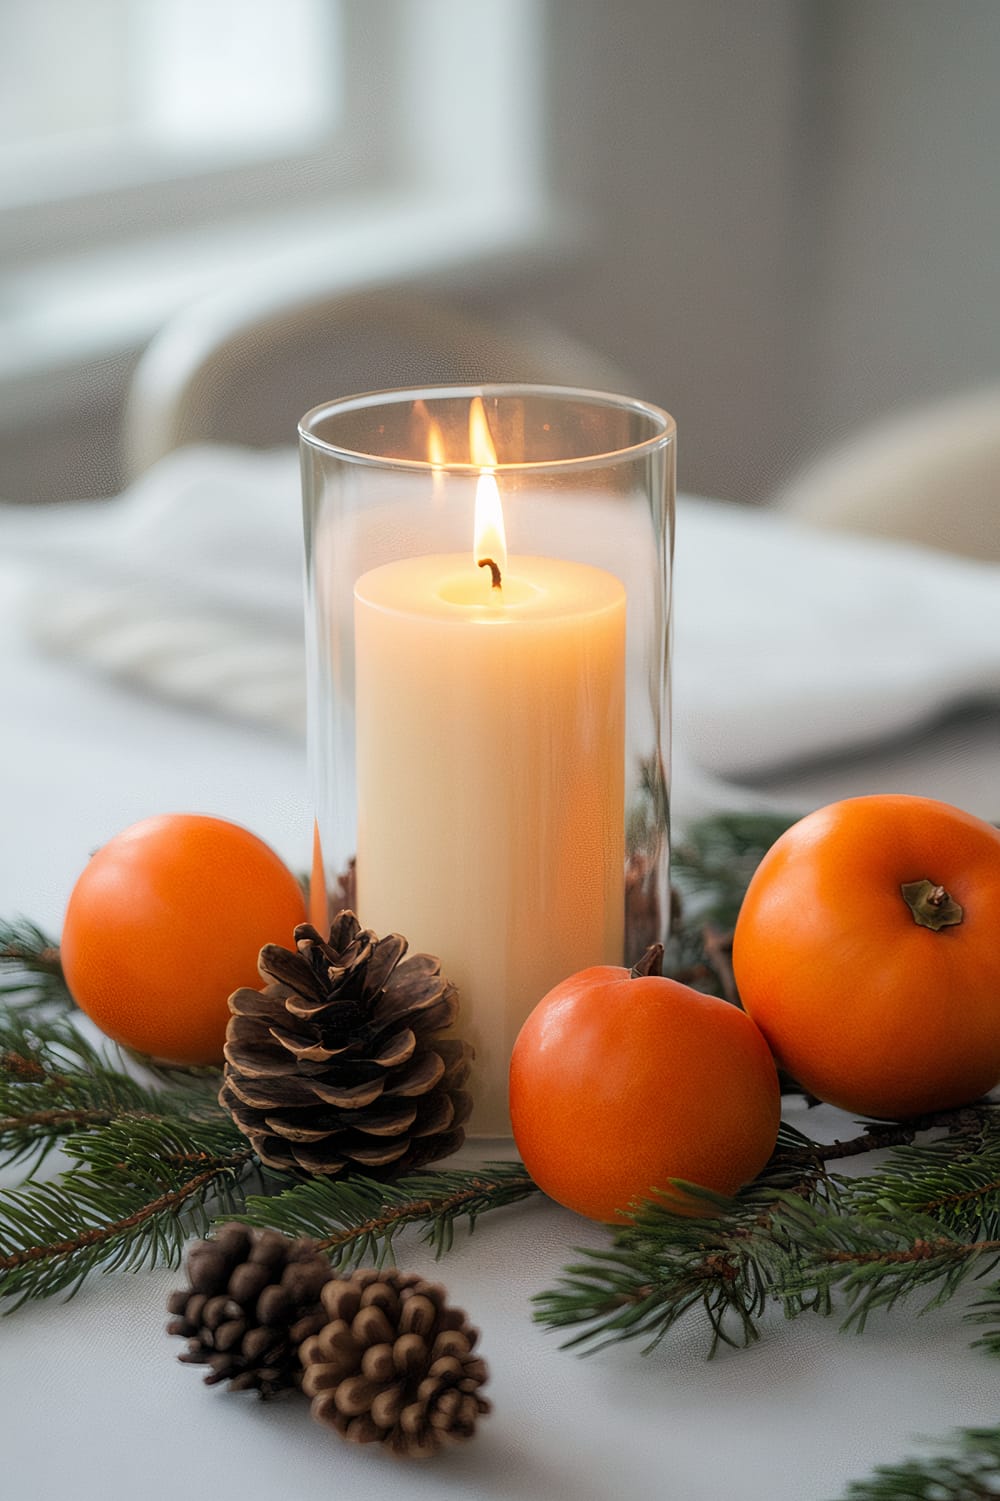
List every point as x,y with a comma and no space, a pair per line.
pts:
93,1403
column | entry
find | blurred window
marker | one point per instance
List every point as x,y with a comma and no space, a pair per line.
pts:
154,149
130,116
105,90
124,118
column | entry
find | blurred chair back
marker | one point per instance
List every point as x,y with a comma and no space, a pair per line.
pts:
931,475
241,368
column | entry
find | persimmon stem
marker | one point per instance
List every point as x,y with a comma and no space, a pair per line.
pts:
931,905
651,963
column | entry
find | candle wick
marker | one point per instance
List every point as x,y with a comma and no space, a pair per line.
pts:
494,570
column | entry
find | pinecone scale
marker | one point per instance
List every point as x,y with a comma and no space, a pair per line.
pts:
252,1298
395,1364
338,1061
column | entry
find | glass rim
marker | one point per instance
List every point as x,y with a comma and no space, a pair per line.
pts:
395,396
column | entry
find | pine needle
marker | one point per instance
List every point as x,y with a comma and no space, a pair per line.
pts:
356,1219
800,1237
660,1269
137,1188
53,1084
955,1179
873,1262
30,969
968,1471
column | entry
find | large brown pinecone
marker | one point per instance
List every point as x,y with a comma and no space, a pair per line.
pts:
394,1365
338,1063
253,1297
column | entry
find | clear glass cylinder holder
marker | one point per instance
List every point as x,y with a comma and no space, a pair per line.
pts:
489,735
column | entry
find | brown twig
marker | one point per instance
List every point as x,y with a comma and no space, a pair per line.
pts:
979,1192
420,1209
884,1134
20,1067
47,959
81,1117
920,1250
872,1140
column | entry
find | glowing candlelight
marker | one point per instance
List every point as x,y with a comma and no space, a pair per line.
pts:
490,752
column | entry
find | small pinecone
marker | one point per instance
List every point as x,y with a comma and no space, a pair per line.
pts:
254,1296
338,1064
394,1365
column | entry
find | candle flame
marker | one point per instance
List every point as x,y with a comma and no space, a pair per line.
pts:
490,537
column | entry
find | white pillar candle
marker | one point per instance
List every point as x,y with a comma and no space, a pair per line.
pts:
490,756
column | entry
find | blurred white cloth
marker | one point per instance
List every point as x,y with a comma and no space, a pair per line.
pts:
189,584
790,643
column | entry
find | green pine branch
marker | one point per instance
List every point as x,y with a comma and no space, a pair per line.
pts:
136,1189
659,1269
747,1253
664,1264
357,1219
969,1470
796,1237
954,1180
148,1158
873,1262
30,969
54,1083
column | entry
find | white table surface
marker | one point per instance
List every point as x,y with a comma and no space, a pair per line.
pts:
93,1403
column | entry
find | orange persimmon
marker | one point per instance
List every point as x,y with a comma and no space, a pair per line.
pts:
165,922
620,1083
866,951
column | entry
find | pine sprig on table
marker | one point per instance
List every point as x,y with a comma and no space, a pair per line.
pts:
969,1471
658,1270
795,1237
136,1189
54,1083
356,1220
955,1180
30,971
874,1262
